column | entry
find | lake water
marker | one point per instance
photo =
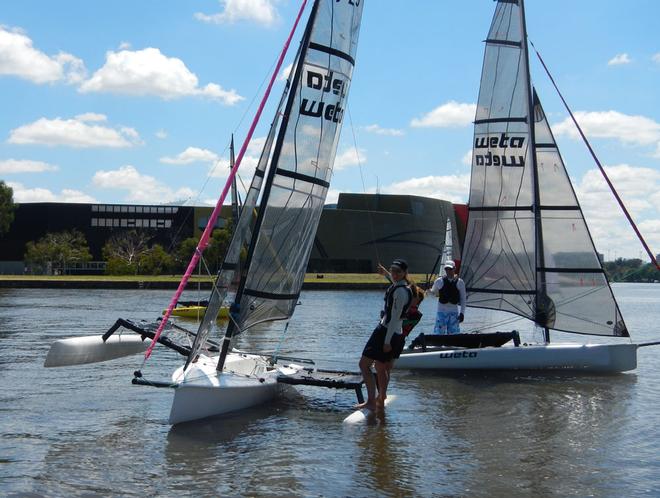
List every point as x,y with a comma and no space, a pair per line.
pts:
87,431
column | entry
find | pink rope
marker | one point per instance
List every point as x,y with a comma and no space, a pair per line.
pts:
206,235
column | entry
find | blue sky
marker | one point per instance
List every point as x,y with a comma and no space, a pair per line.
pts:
130,101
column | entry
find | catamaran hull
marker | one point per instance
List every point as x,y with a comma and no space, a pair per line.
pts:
198,402
247,380
601,358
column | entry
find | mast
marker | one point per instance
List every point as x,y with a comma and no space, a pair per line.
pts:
541,287
268,185
235,212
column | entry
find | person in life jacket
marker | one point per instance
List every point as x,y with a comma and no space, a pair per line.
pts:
386,340
450,291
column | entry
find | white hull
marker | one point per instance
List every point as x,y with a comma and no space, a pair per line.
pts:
604,358
246,381
364,415
92,349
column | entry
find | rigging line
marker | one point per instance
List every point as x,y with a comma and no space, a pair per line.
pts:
279,344
364,187
598,163
203,242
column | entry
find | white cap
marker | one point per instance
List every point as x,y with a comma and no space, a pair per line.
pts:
450,264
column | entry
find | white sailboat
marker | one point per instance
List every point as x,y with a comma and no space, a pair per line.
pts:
275,231
527,247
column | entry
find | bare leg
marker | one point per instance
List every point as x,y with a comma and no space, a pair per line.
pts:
365,368
383,379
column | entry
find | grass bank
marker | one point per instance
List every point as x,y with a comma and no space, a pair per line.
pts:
330,281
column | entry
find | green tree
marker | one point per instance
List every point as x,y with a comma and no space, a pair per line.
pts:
156,261
184,253
217,248
123,252
7,207
55,252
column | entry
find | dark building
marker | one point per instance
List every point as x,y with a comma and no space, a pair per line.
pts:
363,230
353,235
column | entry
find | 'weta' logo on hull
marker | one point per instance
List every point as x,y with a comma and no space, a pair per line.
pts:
494,157
462,354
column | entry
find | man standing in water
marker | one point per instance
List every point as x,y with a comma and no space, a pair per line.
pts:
450,291
386,337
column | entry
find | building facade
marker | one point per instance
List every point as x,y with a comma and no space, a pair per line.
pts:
354,235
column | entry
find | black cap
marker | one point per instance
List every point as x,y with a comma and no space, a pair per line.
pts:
400,263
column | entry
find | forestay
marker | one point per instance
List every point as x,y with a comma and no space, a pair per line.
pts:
527,248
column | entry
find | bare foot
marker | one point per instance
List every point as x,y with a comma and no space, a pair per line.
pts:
369,405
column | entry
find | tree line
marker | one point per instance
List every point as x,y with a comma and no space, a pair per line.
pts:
130,252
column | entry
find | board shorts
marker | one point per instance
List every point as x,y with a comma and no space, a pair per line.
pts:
446,322
374,347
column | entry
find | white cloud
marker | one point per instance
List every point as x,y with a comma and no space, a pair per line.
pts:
630,130
333,196
656,58
259,11
161,134
19,58
451,114
619,59
392,132
191,155
9,166
639,189
350,157
149,72
75,132
139,187
124,46
23,194
453,188
92,116
284,75
467,158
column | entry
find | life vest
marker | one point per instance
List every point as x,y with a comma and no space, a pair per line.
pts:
412,318
449,292
389,301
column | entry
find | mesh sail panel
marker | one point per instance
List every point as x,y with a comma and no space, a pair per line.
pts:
301,166
498,263
578,296
230,269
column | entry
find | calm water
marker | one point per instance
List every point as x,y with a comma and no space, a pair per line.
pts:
86,430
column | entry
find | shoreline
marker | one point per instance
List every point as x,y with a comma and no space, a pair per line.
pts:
313,281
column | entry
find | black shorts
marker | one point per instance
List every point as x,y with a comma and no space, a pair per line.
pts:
397,342
374,347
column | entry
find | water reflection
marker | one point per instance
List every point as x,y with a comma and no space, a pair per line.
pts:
530,431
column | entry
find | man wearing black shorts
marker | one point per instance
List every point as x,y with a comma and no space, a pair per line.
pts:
387,338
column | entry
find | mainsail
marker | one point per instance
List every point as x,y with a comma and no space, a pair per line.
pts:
292,177
527,248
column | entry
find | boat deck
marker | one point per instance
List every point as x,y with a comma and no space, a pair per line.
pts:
334,379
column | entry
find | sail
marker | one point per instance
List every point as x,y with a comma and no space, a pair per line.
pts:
576,285
230,268
498,261
527,248
301,165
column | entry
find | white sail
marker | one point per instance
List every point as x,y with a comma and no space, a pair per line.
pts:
527,249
